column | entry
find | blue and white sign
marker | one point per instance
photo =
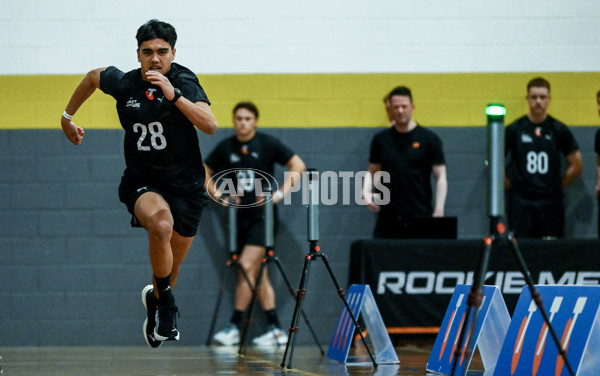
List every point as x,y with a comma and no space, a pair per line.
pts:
493,321
360,299
529,348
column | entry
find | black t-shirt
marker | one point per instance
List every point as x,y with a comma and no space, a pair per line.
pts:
534,153
249,159
409,158
161,144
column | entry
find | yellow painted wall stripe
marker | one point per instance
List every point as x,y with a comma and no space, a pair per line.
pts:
318,100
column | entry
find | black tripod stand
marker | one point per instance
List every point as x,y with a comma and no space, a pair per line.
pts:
498,232
269,221
314,253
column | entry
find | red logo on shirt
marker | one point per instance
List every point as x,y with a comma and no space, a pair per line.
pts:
416,145
244,149
538,131
150,94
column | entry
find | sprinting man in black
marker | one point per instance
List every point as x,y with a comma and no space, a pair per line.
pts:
163,183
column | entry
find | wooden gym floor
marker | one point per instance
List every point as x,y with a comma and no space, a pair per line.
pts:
172,360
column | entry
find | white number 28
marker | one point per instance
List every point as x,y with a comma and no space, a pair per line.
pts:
157,140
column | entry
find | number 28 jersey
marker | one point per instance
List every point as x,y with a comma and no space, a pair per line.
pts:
161,144
534,152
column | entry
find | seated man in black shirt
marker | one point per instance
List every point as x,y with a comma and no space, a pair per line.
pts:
251,153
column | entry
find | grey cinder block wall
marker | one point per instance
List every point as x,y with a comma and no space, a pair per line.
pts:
72,269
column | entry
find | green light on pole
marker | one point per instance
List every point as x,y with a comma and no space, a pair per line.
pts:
495,110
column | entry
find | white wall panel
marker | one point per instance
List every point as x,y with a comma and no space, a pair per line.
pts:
313,36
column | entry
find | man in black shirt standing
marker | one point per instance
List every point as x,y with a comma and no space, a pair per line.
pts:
163,183
251,154
597,150
535,145
410,154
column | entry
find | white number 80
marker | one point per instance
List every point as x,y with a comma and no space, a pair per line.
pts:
537,163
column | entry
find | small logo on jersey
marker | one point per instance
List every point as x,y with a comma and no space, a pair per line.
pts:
416,145
538,131
234,158
548,137
254,154
145,188
132,103
244,149
150,94
526,138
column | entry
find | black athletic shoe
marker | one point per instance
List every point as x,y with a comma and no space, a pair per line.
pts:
166,323
150,322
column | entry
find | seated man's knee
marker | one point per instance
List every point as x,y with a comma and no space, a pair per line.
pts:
251,267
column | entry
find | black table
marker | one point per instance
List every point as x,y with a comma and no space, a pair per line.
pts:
413,280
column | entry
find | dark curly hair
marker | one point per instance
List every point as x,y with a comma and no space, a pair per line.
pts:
248,106
155,29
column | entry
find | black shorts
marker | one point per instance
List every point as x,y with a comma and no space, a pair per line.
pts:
186,208
251,227
540,218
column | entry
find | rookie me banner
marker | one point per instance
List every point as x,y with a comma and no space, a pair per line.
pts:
413,280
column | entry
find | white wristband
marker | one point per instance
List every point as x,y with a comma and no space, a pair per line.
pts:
279,194
67,116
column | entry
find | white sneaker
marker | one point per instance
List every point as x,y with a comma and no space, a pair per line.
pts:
274,337
229,336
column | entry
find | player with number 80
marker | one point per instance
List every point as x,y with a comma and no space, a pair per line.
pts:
535,145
